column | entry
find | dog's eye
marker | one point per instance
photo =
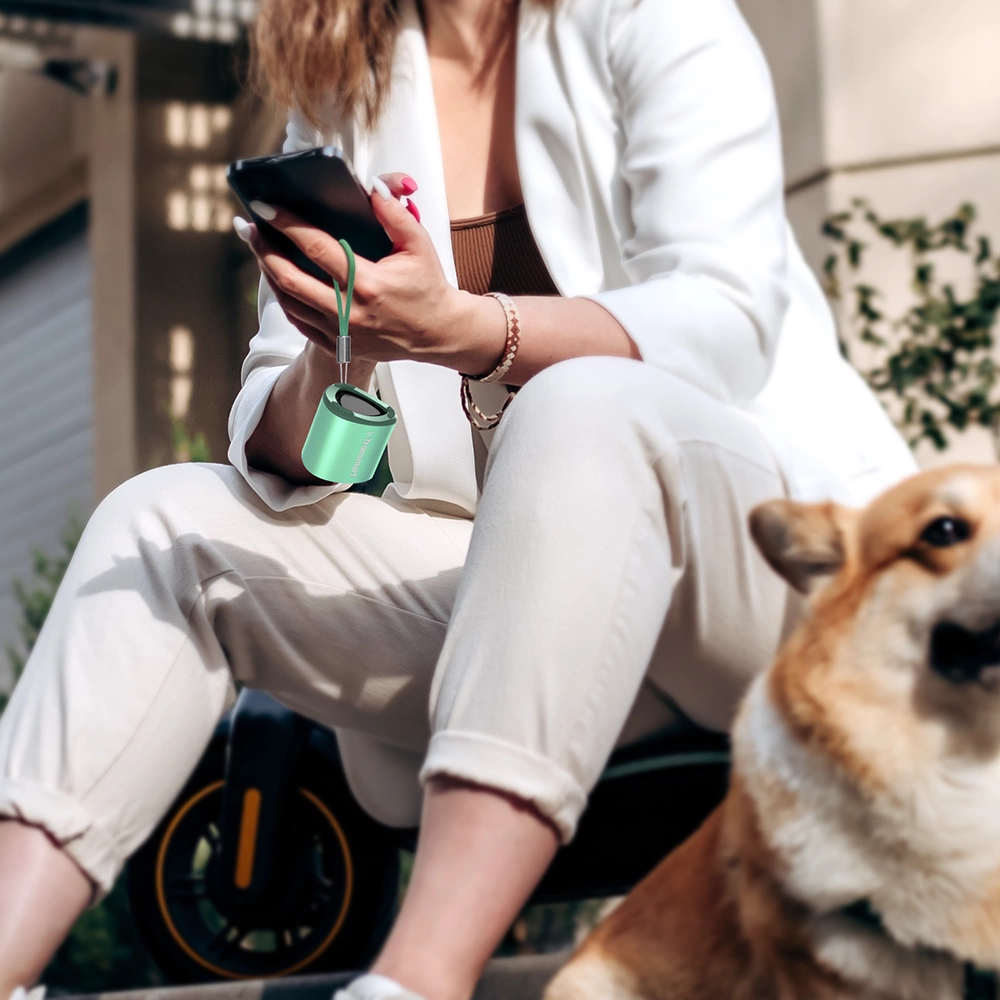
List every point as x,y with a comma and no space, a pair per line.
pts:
946,531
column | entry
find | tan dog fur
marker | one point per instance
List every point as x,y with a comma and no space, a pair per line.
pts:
860,773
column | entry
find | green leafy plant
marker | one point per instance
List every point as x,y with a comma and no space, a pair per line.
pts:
188,447
932,362
35,599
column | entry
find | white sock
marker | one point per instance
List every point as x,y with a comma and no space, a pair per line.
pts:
367,987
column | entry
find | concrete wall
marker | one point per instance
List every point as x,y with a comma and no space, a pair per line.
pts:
897,101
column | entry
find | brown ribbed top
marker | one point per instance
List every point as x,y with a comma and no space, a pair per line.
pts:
497,253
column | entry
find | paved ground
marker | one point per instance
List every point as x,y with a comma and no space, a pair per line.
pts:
506,979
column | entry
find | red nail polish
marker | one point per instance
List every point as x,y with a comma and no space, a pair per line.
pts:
408,184
411,207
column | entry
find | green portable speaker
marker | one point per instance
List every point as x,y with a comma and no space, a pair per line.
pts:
351,429
348,435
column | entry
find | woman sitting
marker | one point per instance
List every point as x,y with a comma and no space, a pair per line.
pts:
525,596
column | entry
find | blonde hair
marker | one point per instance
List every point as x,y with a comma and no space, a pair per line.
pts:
308,53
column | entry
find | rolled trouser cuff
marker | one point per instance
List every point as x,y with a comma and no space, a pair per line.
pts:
507,767
70,825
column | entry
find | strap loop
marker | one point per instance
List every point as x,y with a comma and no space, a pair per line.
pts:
344,312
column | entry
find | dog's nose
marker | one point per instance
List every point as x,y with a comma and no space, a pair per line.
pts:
961,655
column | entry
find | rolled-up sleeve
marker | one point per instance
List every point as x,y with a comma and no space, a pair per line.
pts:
704,244
275,346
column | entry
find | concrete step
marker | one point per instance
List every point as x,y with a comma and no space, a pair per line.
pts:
521,978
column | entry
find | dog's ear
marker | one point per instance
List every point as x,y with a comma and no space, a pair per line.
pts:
804,543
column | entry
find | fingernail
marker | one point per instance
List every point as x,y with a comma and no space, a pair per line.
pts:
408,184
242,228
381,189
411,207
262,209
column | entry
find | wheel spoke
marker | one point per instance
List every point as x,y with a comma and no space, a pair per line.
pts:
187,887
226,940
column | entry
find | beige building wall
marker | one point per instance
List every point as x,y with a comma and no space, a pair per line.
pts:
43,152
897,101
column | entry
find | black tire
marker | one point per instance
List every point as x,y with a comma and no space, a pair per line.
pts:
343,883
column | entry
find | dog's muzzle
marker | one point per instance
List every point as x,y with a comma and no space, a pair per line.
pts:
962,656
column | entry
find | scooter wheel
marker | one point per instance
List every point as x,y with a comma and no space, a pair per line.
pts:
342,884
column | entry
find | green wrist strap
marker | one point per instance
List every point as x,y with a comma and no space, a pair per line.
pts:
351,429
344,312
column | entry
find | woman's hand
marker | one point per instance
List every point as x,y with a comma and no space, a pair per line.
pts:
403,307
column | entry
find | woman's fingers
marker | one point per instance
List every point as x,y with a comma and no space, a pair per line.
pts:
244,229
308,322
401,225
298,310
400,185
319,247
318,326
283,276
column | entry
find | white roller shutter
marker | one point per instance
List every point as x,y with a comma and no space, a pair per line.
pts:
46,405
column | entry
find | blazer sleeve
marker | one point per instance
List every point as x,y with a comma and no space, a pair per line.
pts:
276,344
705,240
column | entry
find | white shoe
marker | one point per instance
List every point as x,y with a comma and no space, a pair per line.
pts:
368,987
20,993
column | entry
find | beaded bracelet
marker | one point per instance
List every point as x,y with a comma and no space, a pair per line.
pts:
472,411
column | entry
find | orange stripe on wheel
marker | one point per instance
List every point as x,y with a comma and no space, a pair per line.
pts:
248,838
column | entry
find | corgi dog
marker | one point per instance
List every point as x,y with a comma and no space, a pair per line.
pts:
857,852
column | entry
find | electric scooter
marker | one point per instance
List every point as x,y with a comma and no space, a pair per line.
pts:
266,866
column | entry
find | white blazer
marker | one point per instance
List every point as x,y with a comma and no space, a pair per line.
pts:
649,156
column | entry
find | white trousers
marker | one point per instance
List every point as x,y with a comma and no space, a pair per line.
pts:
607,581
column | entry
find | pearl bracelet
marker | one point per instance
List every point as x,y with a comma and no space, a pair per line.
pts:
472,411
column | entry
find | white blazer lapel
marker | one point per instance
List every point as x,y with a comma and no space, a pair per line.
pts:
554,180
431,450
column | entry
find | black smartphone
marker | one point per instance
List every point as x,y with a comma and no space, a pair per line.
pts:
318,185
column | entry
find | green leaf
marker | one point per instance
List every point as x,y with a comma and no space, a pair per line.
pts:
923,278
833,231
933,354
